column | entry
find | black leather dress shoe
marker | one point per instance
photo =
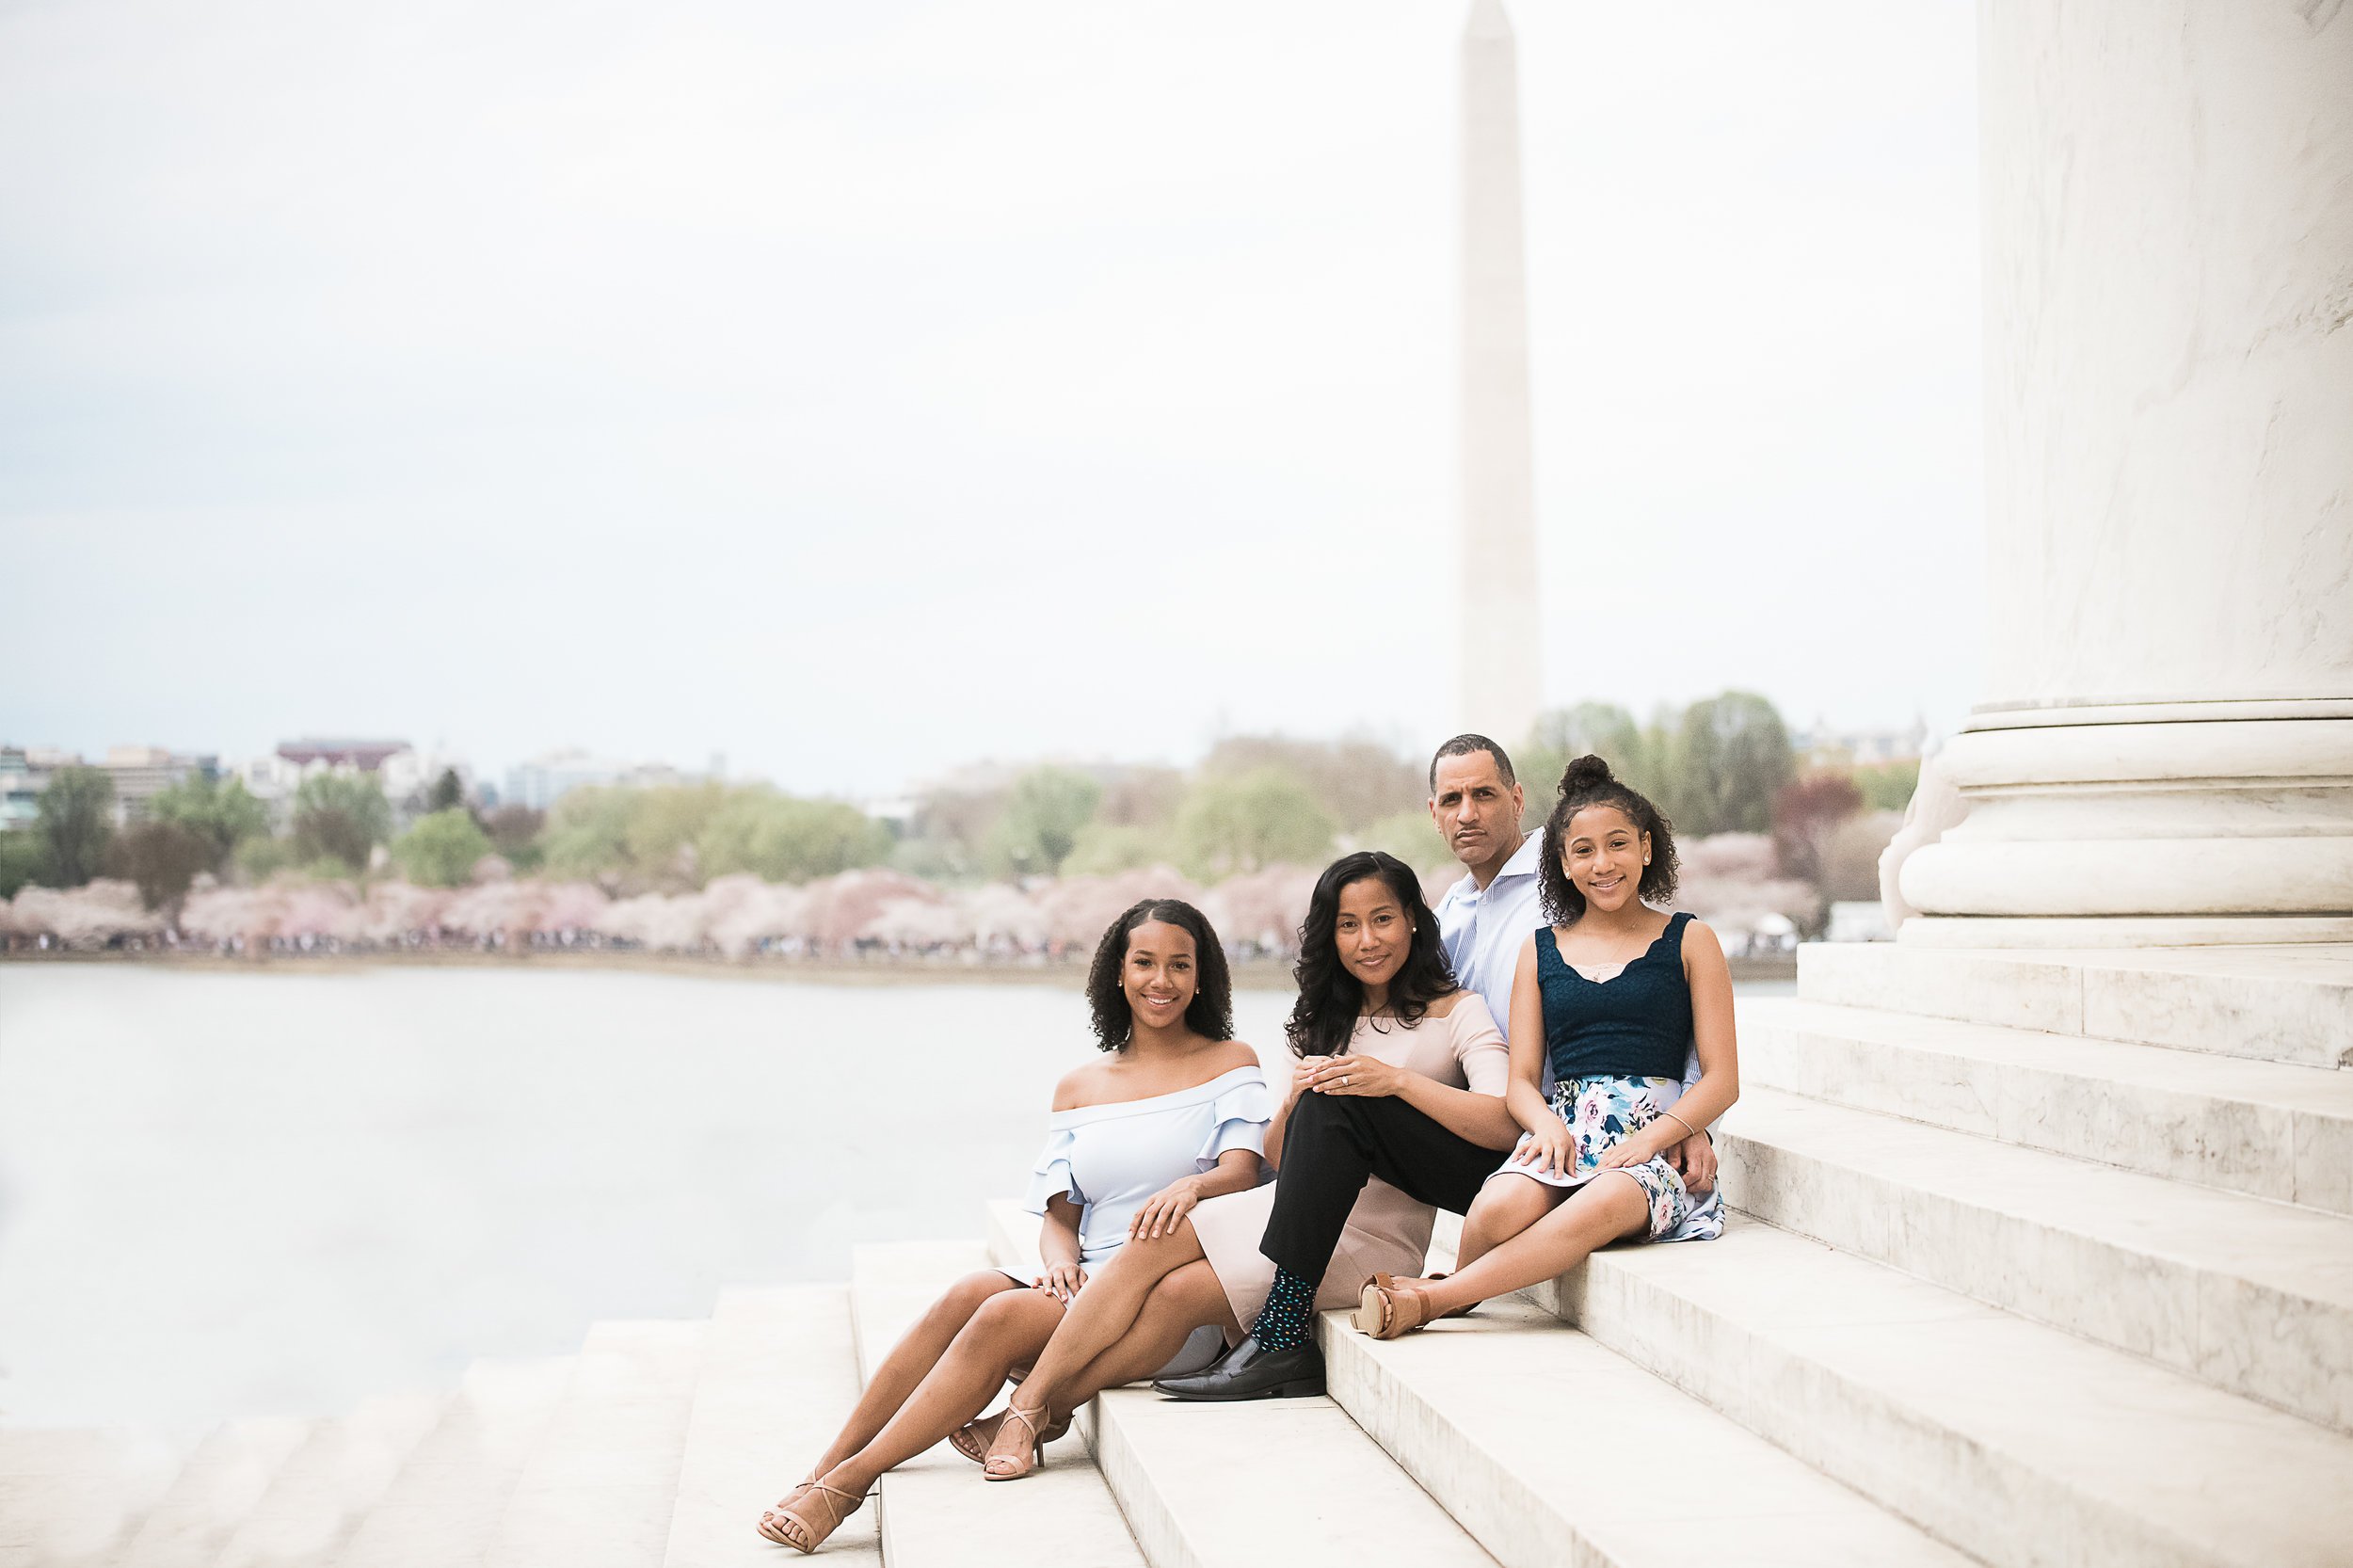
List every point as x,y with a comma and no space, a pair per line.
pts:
1251,1371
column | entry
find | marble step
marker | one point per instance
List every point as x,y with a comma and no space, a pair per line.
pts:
778,1372
937,1511
2291,1003
597,1490
223,1480
1270,1481
2023,1446
1548,1448
329,1482
445,1504
71,1495
2254,1297
2262,1128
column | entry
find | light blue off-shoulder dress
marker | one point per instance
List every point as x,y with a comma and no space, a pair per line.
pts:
1110,1158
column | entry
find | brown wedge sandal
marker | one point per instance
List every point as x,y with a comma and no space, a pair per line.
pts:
1387,1310
1463,1311
800,1531
1012,1463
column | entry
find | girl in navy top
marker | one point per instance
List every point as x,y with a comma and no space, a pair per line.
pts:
1608,997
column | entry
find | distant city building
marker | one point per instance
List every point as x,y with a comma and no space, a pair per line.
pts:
1822,746
409,775
23,774
274,780
142,773
358,755
542,782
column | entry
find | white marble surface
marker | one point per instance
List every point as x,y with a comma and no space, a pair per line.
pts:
326,1485
2168,202
1454,1405
777,1373
68,1495
597,1490
2291,1005
1267,1481
445,1504
2167,205
225,1475
2256,1295
2262,1128
2020,1443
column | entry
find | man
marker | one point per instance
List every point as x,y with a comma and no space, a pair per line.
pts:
1331,1144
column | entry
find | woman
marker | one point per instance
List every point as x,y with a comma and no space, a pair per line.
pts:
1175,1114
1378,1016
1611,994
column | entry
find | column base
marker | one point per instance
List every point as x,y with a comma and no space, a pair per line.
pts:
2181,824
2123,930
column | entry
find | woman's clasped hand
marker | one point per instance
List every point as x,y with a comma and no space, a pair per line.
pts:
1356,1075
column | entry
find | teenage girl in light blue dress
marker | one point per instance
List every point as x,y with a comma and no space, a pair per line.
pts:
1609,998
1177,1112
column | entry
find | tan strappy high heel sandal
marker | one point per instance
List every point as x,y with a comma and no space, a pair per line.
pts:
790,1526
790,1499
969,1440
1005,1464
1387,1310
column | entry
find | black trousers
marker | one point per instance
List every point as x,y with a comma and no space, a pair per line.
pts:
1333,1143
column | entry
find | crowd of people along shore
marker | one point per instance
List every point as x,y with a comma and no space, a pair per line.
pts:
1542,1052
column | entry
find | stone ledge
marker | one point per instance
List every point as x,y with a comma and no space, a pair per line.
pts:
2017,1442
2255,1297
2292,1005
1453,1406
2260,1127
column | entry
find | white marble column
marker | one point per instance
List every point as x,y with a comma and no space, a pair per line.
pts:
2165,753
1502,649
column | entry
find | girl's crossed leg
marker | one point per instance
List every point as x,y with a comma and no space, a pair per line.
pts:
1520,1232
1102,1316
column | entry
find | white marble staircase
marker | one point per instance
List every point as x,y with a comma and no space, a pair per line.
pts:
2053,1268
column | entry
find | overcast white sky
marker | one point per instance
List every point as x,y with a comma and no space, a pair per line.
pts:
858,389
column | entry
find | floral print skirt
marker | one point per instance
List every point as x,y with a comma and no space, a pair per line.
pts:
1600,1113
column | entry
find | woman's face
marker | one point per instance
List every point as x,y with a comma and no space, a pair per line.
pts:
1603,852
1160,976
1374,933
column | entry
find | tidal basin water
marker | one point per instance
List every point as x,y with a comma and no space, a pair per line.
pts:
225,1195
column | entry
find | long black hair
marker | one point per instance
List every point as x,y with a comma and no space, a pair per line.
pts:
1211,1012
1330,998
1588,781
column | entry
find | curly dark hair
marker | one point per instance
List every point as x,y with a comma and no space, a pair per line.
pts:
1588,781
1330,998
1211,1012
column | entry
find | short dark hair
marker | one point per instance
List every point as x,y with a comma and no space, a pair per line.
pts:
1463,745
1588,781
1211,1013
1330,998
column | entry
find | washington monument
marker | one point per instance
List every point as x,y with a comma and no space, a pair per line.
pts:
1502,652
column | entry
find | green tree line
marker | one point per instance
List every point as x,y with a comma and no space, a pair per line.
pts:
1723,764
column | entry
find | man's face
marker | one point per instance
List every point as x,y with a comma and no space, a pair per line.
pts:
1476,810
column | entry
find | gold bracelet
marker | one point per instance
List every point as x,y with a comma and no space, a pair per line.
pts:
1688,1130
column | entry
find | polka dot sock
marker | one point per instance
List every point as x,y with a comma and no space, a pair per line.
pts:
1289,1317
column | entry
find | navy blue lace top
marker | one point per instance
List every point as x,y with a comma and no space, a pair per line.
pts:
1635,1024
